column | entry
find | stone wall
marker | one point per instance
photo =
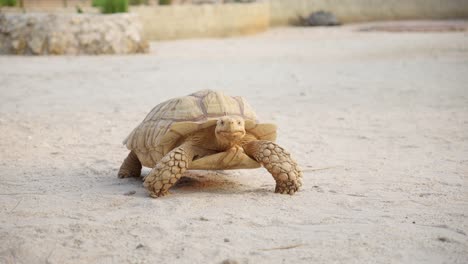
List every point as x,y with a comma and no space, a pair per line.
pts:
42,34
49,5
189,21
220,20
95,36
285,12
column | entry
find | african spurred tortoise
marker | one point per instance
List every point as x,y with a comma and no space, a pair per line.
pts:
206,130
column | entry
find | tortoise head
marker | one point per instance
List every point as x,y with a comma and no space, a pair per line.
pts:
230,129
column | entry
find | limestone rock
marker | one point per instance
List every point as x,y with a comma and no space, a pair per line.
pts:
71,34
320,18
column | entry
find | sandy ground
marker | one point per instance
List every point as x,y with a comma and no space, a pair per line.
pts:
383,115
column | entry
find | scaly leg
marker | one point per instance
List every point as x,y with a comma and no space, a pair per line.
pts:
278,162
168,171
131,167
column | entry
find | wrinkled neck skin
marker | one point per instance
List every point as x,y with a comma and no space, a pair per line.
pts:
208,139
226,134
225,143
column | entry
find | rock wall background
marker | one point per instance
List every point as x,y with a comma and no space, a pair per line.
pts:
285,12
195,21
73,34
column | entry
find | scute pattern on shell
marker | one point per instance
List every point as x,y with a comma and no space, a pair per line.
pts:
198,107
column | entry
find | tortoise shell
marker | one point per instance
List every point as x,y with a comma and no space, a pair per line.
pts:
169,122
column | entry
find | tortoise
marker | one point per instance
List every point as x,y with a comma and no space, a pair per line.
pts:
206,130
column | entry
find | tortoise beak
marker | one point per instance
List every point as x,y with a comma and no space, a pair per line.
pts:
231,135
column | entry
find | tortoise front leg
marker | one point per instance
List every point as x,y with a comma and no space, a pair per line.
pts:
168,171
278,162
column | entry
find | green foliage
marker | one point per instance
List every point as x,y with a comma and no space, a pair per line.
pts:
111,6
164,2
7,2
97,3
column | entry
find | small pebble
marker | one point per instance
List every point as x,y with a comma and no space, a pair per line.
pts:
130,193
443,239
139,246
227,240
229,261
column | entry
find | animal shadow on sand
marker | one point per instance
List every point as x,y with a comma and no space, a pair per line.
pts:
191,182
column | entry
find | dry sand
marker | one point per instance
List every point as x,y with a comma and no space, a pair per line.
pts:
385,115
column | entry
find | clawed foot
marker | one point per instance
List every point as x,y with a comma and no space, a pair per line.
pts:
159,194
287,187
126,174
122,175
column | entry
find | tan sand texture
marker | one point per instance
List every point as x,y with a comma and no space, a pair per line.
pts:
378,121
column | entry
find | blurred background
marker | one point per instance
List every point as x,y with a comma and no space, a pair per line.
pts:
176,19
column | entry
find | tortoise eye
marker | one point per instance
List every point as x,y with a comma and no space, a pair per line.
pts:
222,122
238,122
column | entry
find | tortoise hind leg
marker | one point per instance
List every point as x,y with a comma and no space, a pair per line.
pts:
168,171
131,167
278,162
